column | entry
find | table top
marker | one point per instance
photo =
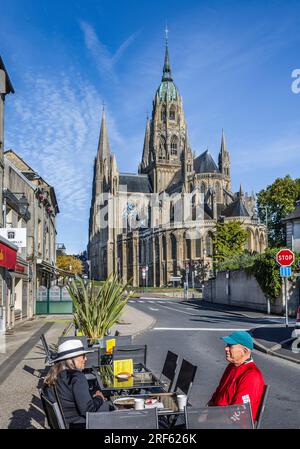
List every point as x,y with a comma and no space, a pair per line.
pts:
141,378
168,400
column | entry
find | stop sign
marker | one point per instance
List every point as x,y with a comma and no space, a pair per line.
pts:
285,257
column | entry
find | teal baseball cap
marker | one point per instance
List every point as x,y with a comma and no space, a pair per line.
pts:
239,338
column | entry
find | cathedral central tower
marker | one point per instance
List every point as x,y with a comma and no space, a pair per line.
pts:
166,133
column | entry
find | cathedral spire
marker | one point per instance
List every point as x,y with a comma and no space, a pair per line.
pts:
167,68
103,145
146,149
223,144
224,159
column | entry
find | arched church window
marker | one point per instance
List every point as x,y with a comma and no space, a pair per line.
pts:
164,245
163,113
188,248
172,113
194,207
173,247
172,211
162,148
174,145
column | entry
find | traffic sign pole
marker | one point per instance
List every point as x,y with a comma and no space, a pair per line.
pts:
286,303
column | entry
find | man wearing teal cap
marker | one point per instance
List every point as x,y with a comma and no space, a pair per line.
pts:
242,381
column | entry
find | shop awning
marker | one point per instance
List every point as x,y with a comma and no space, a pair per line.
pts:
8,256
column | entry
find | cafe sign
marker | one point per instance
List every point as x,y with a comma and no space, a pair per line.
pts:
17,236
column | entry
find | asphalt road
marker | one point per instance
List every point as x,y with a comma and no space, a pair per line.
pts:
193,332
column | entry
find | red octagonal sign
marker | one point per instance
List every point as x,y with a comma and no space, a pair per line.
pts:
285,257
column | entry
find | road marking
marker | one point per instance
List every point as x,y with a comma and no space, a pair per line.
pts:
180,311
197,329
131,301
155,310
152,302
142,301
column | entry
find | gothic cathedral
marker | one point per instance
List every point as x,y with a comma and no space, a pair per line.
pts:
156,223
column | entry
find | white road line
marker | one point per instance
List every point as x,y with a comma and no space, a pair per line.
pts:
152,302
196,329
142,301
155,310
131,301
180,311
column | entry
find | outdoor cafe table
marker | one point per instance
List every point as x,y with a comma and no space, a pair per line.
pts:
169,401
142,379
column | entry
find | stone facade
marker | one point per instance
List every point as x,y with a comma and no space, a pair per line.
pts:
162,218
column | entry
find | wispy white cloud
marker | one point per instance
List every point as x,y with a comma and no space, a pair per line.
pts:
56,129
103,58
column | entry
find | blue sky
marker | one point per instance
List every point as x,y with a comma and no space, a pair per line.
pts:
232,62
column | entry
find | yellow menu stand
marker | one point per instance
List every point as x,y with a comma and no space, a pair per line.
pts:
110,344
123,366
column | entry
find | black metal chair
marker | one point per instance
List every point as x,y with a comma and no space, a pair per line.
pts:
52,411
262,406
138,353
125,419
221,417
50,355
169,368
185,377
121,340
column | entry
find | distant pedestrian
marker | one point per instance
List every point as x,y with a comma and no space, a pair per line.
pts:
242,381
71,385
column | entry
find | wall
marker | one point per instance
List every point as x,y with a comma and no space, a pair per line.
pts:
244,291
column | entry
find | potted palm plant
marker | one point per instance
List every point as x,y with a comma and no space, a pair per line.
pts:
97,307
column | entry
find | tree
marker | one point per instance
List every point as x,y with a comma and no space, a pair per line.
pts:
229,239
69,263
274,203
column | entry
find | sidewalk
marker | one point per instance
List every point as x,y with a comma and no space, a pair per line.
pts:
277,341
22,365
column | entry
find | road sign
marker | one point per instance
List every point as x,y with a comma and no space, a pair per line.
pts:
175,278
285,271
285,257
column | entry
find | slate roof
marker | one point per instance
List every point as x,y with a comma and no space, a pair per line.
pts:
205,163
292,216
135,183
236,209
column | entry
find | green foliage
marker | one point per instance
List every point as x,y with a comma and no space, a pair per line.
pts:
229,239
275,202
97,308
237,262
266,271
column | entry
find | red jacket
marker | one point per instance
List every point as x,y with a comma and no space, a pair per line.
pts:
239,384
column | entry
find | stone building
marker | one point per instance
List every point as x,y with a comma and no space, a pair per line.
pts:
36,256
292,225
161,220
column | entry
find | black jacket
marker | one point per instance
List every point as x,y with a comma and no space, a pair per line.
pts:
74,396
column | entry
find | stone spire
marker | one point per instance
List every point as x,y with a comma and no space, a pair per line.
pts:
103,145
167,76
224,159
241,192
146,149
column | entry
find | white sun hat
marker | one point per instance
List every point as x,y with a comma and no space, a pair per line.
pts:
69,349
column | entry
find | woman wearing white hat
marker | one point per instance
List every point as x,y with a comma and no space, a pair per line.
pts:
71,385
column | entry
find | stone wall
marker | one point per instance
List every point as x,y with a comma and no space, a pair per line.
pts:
236,288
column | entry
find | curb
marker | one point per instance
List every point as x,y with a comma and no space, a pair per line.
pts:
150,326
267,351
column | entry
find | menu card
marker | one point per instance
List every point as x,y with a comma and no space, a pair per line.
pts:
110,344
123,366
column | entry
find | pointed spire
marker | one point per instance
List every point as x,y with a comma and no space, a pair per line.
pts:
241,192
223,144
167,76
146,149
103,145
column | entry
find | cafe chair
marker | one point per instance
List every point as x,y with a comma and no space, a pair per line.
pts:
262,406
50,355
121,340
138,353
123,419
98,377
52,411
168,372
185,377
219,417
